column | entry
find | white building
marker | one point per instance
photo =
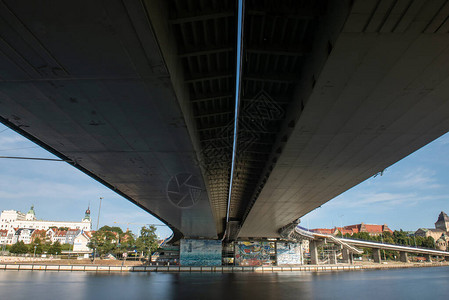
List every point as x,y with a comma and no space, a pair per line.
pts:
62,236
23,235
10,219
3,236
81,241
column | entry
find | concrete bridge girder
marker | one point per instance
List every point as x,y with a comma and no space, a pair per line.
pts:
403,256
136,113
376,255
348,257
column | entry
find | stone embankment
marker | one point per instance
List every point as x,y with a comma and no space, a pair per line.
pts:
20,263
397,265
220,269
59,261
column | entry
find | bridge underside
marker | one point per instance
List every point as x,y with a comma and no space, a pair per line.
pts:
140,96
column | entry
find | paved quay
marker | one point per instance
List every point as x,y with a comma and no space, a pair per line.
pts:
220,269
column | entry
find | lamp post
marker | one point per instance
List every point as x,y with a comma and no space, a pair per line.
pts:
99,210
341,225
382,239
34,255
98,223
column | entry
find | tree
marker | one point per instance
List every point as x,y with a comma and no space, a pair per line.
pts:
127,242
104,241
55,248
19,248
112,229
66,247
38,244
147,243
428,242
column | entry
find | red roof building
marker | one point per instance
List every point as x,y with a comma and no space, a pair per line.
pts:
371,229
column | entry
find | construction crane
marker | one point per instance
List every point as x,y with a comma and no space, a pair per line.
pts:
132,223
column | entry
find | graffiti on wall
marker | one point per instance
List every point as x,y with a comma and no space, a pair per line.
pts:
200,253
288,253
253,253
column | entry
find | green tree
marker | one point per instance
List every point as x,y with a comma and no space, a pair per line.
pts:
19,248
39,246
55,248
104,241
401,238
428,242
66,247
127,242
147,243
112,229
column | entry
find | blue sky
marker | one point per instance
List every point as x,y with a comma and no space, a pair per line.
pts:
59,191
409,195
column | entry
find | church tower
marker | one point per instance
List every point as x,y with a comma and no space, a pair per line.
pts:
87,218
31,215
443,222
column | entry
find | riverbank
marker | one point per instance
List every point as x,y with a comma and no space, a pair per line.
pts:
117,266
58,261
219,269
400,265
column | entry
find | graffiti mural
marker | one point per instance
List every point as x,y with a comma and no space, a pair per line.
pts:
253,253
200,253
288,253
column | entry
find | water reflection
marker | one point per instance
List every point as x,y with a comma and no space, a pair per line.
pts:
385,284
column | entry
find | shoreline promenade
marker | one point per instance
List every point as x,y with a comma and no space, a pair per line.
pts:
135,266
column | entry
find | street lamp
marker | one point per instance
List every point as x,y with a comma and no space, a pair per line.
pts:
382,239
98,223
99,210
34,256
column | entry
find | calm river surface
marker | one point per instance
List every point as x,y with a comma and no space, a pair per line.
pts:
415,283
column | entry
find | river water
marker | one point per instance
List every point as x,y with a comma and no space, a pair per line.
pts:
414,283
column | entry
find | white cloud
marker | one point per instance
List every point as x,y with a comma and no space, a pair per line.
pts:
420,178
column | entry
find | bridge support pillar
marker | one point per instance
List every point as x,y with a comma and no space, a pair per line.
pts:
200,252
376,255
347,256
289,253
403,256
333,258
427,257
313,248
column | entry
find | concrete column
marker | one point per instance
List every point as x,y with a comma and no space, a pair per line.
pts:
403,256
288,253
313,249
427,257
347,256
200,252
376,255
333,258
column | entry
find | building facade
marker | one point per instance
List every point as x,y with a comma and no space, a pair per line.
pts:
16,219
20,227
81,241
440,233
371,229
